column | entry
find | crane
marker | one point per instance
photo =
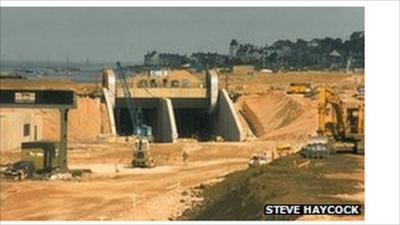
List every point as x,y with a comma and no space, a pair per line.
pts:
141,149
135,114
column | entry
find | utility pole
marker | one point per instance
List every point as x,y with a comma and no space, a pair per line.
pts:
264,52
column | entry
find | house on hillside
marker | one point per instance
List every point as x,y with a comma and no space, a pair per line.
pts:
233,48
164,60
335,59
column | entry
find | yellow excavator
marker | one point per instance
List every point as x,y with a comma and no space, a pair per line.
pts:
340,128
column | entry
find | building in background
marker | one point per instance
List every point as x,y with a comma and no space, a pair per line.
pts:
17,126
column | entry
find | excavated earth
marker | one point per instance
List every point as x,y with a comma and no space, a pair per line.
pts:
110,190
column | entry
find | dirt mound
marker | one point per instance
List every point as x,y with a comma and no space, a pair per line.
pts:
268,112
242,195
181,74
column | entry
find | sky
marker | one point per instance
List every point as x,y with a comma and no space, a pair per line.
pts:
126,34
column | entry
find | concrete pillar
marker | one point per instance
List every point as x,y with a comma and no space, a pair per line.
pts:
167,131
62,154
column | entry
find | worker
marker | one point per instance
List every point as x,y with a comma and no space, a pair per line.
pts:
140,143
22,174
184,157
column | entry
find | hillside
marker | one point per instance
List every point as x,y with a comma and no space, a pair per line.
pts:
242,195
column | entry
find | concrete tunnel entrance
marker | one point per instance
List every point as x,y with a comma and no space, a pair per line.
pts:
190,123
175,112
124,123
193,123
188,118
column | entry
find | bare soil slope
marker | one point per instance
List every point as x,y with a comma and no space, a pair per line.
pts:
242,195
277,116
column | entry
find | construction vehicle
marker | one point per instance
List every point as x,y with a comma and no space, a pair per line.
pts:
20,170
258,159
318,147
43,154
141,154
300,88
283,147
141,150
37,157
136,114
355,127
360,92
345,126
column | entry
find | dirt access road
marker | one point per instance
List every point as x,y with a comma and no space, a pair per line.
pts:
130,194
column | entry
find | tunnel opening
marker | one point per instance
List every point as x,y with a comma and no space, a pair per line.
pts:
193,123
190,123
124,123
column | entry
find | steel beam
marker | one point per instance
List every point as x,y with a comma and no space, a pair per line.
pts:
62,154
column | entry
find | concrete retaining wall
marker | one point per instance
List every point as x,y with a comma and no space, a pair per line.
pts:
109,98
166,124
227,122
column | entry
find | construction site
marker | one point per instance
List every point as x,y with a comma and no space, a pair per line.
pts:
180,146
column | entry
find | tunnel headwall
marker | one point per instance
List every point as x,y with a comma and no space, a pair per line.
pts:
172,112
183,118
226,120
166,131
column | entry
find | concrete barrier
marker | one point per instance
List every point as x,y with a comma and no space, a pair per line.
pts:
227,122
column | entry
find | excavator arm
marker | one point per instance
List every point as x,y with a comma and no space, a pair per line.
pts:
337,125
